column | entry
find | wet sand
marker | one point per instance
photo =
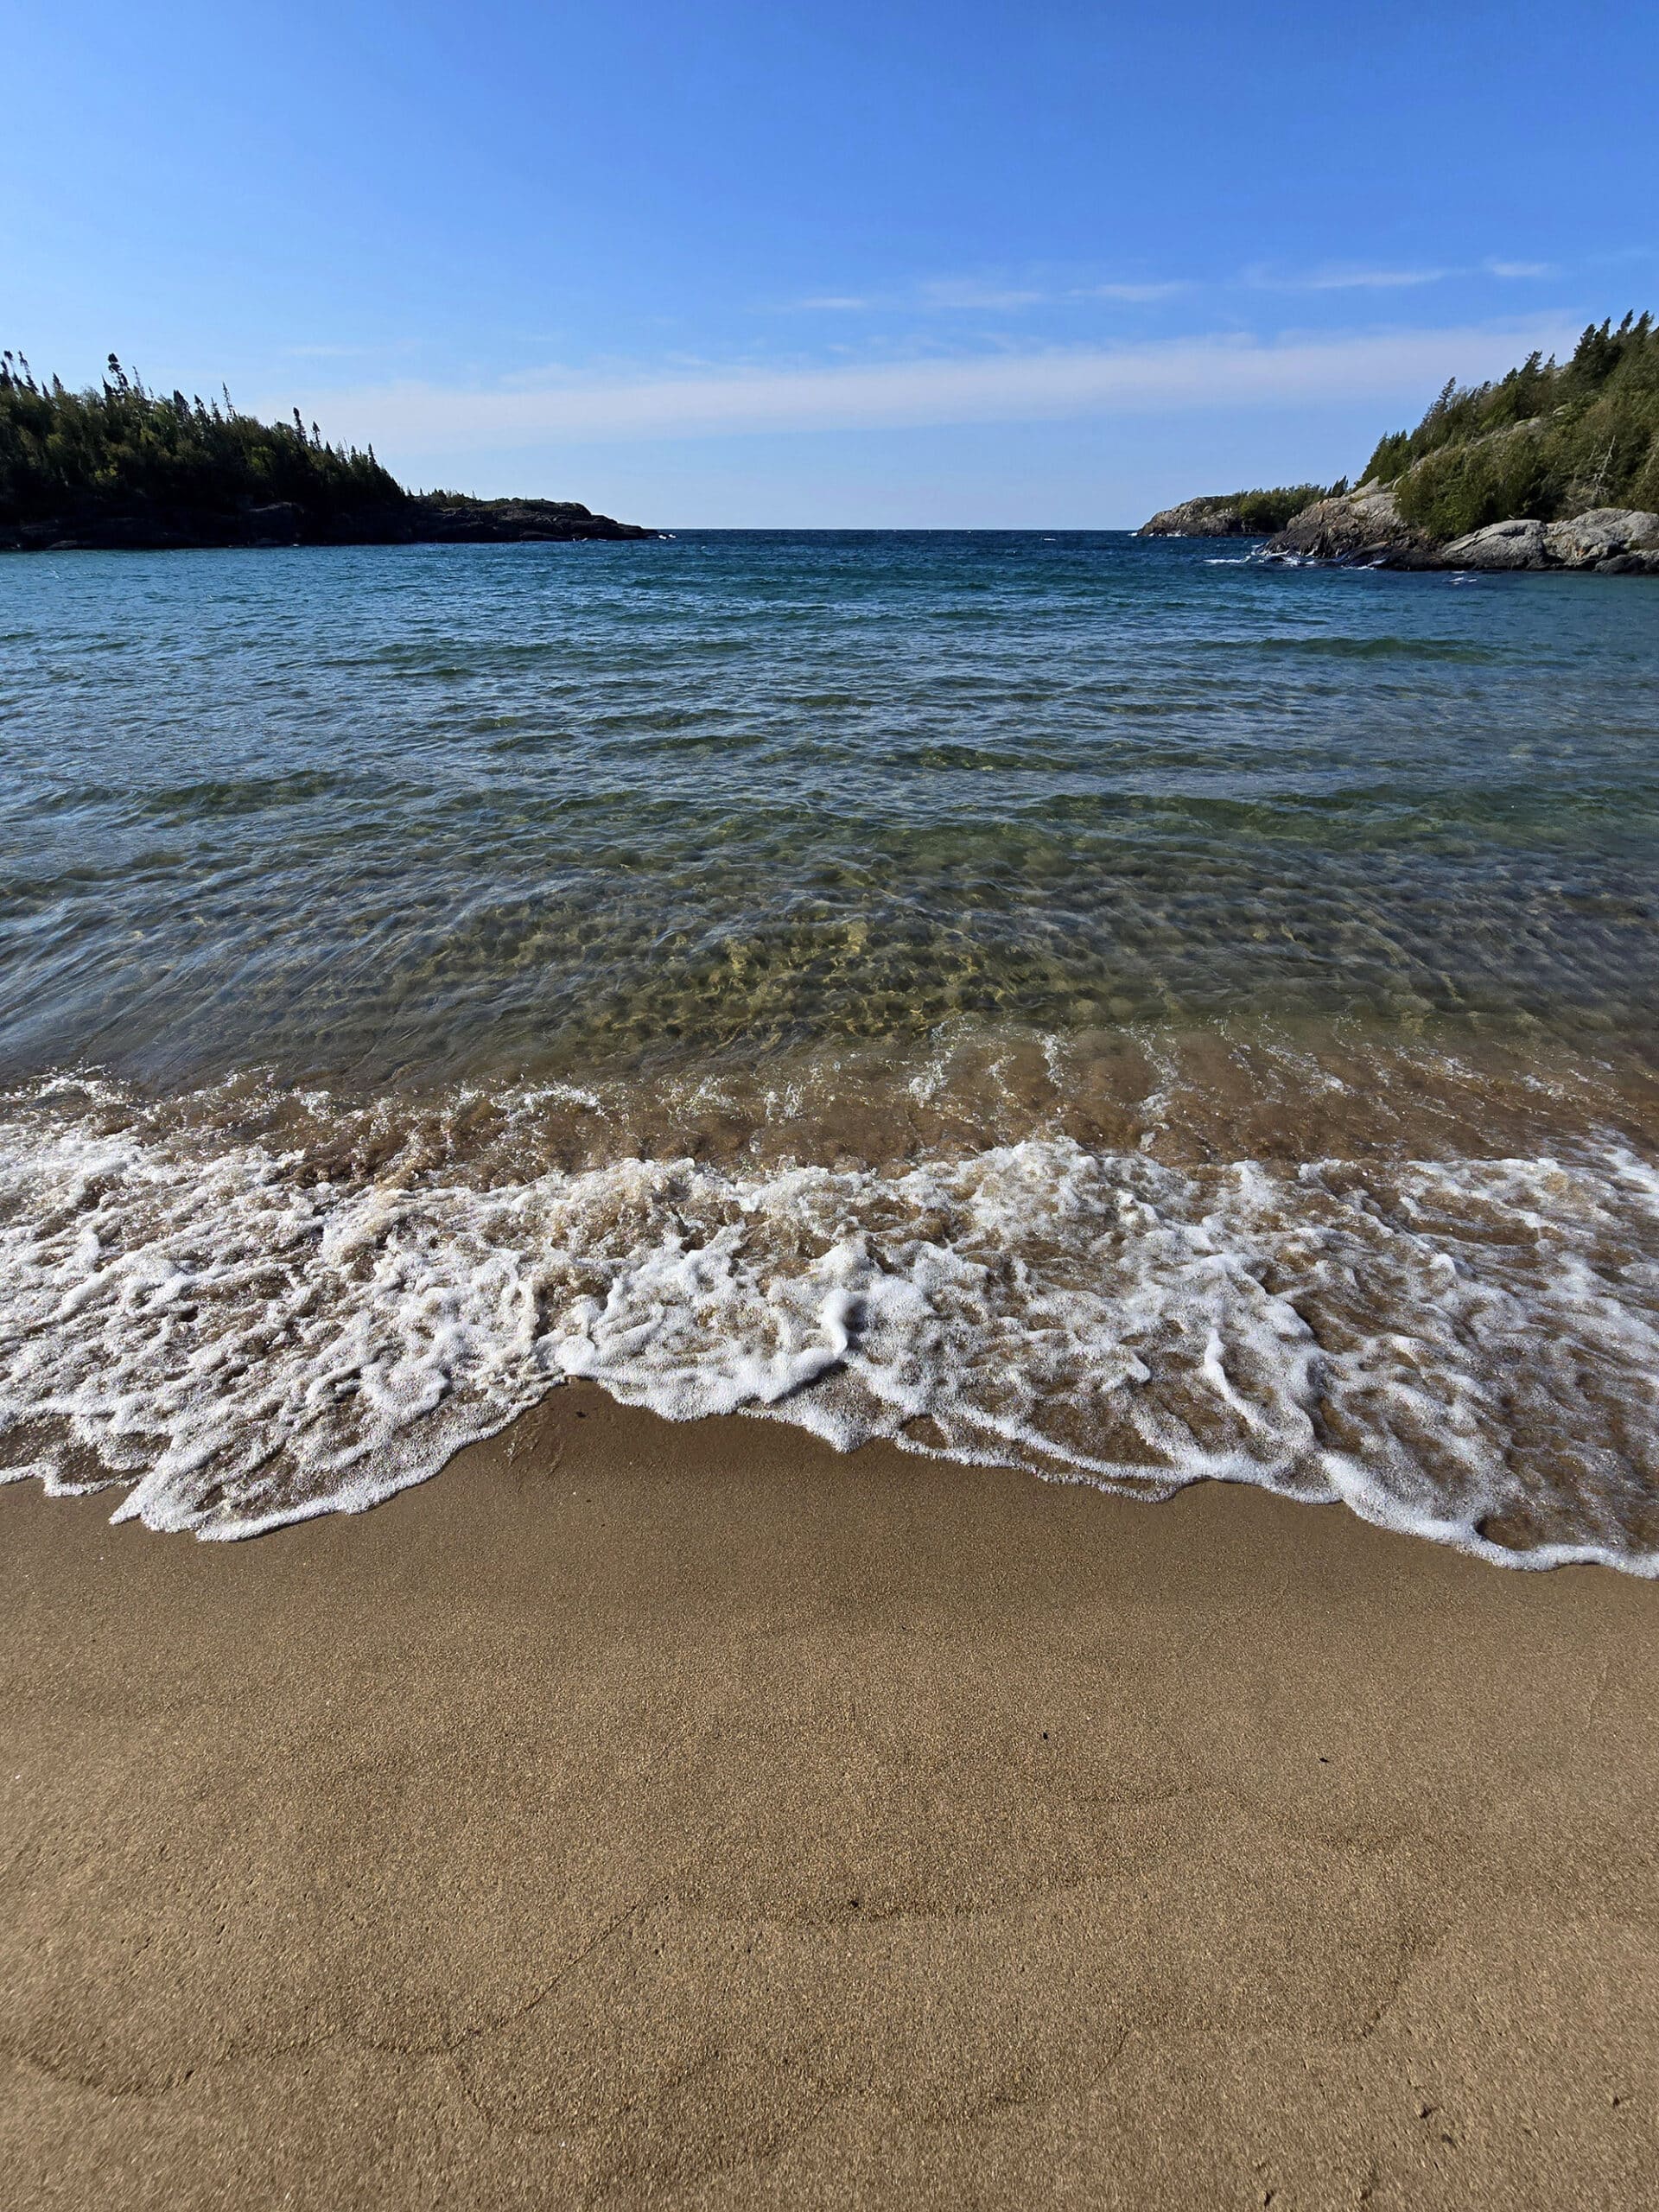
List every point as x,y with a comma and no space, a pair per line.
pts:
690,1816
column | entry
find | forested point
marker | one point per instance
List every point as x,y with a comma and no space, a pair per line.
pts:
1550,440
1255,513
119,465
61,450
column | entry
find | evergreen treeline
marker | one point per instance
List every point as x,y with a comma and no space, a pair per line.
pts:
117,446
1262,512
1255,513
1551,439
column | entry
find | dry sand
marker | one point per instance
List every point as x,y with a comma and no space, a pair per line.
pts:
689,1817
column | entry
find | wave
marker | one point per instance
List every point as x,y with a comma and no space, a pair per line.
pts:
1460,650
247,1326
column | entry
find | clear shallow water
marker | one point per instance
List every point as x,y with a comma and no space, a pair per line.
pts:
1076,1001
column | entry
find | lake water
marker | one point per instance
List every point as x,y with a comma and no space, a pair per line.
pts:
1099,1005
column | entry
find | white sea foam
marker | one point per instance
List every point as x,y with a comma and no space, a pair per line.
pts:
243,1340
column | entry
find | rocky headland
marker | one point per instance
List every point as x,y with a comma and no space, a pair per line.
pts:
412,520
1203,518
1553,466
1233,514
118,468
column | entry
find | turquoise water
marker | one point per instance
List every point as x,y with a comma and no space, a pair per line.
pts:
428,812
1101,1006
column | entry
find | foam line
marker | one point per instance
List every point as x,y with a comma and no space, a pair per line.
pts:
1466,1349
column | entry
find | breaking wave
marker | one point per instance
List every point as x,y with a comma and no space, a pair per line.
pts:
246,1327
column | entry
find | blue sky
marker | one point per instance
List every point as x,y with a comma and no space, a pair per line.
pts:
969,264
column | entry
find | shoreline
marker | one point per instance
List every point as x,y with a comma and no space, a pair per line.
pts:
691,1814
256,1304
419,520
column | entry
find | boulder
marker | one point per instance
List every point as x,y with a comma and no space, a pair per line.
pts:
1603,534
1501,546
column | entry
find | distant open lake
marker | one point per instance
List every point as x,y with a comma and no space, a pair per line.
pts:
1099,1005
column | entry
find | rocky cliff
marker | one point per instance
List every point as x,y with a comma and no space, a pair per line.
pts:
1363,528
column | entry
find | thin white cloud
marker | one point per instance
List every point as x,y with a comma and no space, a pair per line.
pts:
1163,377
967,292
1346,278
1342,279
1375,280
1136,293
977,295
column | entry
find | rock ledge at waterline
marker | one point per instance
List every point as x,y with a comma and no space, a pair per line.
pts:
1366,527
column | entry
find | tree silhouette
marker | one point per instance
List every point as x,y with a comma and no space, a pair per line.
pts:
118,449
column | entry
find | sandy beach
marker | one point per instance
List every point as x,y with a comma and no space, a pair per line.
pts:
687,1815
828,1111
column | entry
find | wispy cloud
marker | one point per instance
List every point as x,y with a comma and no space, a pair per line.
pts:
1342,276
981,295
951,293
1137,293
1185,374
1340,279
987,296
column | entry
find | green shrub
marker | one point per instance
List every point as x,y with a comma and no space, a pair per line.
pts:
1267,511
1644,490
1463,487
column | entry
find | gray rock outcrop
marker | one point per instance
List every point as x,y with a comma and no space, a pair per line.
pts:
1612,541
1364,529
1361,529
1500,545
